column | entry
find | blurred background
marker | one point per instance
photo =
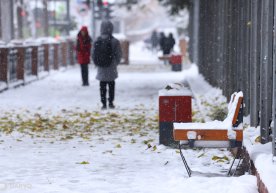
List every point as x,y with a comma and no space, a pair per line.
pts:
134,20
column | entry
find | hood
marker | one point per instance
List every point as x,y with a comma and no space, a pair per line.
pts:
84,28
106,28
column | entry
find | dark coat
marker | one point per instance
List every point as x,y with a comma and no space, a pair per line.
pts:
171,41
162,40
109,73
83,47
154,39
166,46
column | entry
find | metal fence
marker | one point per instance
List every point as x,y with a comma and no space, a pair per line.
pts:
233,43
21,60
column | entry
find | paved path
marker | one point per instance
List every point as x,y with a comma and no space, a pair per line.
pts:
60,141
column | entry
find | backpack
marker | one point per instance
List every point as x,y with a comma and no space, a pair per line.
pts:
103,53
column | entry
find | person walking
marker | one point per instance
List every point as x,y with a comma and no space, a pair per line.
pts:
154,40
84,42
162,41
107,55
165,44
171,42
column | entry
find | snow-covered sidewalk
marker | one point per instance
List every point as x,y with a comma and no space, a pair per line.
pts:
58,140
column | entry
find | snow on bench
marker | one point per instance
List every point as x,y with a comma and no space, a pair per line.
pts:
227,133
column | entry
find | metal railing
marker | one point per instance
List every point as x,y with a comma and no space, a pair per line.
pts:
20,61
233,43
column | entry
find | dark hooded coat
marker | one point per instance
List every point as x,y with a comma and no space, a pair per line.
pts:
171,41
109,73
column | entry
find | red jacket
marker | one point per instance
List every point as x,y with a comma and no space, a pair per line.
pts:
83,47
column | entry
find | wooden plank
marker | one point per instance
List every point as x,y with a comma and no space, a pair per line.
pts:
237,111
207,134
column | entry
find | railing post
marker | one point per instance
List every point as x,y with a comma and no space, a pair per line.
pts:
255,63
51,56
35,60
71,52
193,31
220,59
240,50
231,48
40,58
28,61
20,71
56,58
201,37
246,63
4,51
64,53
274,88
266,69
46,57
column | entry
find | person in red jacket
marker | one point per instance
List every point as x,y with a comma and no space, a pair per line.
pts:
83,53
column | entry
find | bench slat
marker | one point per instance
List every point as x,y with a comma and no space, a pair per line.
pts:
208,135
237,111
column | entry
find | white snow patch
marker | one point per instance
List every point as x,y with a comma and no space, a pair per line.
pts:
231,134
191,135
175,89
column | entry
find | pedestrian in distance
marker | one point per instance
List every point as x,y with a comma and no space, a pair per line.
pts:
154,40
171,42
167,43
162,41
83,49
107,55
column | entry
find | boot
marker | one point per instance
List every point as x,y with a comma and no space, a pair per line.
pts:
111,105
104,107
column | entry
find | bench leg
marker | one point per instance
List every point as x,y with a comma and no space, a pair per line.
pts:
239,156
189,171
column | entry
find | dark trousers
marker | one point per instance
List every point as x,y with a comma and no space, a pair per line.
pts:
103,90
84,74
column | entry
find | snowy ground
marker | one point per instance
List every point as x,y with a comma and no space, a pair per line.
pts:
55,138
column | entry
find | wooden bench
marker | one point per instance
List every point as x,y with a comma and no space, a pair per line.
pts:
215,134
